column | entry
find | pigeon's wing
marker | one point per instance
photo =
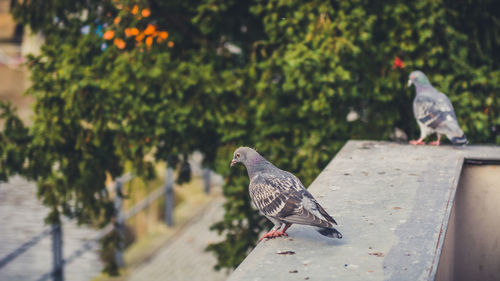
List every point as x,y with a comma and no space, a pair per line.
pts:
450,126
314,205
433,110
283,198
304,216
270,193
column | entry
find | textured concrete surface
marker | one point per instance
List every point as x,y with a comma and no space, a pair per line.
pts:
21,218
392,203
184,257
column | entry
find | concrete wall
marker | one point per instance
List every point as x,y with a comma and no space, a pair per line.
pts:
393,203
472,244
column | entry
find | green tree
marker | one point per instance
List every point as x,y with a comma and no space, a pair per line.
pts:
114,83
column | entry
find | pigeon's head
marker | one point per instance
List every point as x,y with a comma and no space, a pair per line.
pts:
244,155
418,78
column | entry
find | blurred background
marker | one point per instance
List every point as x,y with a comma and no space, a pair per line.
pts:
119,118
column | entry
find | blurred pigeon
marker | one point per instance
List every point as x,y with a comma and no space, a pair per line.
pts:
281,197
434,112
398,135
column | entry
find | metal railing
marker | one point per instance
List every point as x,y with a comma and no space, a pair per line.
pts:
59,262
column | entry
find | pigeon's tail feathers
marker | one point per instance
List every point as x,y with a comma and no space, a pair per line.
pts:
453,132
329,232
459,140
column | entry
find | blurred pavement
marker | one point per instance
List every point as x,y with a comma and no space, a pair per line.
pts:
184,256
21,219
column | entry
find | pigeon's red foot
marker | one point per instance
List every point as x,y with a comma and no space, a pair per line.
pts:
270,234
273,234
281,233
437,142
417,142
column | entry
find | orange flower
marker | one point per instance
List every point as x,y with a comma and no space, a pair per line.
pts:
149,41
146,13
163,34
139,37
159,39
134,31
108,35
117,20
135,10
170,44
131,31
119,43
127,32
150,29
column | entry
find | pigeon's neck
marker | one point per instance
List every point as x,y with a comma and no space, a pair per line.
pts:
257,165
423,88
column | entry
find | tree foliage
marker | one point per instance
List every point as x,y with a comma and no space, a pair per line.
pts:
280,76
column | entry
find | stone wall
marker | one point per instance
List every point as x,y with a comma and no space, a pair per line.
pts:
392,202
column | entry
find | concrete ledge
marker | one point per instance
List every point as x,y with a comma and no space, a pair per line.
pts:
392,203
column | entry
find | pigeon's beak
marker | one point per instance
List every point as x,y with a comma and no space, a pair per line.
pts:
233,162
409,82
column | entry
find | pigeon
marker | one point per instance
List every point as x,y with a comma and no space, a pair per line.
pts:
281,197
434,112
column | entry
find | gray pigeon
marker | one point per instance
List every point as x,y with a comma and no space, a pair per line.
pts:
281,197
434,112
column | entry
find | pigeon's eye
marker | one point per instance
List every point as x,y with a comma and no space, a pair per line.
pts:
237,155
